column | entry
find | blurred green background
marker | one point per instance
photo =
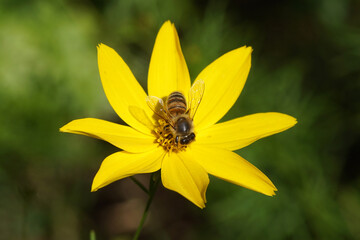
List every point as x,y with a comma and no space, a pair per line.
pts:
306,63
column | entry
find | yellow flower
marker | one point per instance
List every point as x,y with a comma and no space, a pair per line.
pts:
184,170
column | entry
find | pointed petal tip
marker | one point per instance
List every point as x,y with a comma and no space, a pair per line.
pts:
168,23
272,192
291,120
64,128
269,193
100,45
168,26
96,184
295,121
288,120
94,189
245,48
202,206
249,48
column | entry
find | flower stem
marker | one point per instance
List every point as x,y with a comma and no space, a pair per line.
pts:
139,184
154,183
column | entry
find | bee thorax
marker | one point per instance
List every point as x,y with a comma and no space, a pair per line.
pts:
183,126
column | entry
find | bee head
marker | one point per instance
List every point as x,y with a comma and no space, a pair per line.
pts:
185,139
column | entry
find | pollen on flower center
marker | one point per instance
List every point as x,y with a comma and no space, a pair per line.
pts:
166,137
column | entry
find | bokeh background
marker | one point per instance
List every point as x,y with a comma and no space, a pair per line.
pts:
306,63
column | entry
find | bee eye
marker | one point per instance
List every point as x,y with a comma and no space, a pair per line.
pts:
192,136
177,139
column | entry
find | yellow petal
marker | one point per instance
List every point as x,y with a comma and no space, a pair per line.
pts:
240,132
121,88
183,175
168,71
232,168
123,164
120,136
224,79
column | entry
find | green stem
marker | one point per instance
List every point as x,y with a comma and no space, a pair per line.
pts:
139,184
154,183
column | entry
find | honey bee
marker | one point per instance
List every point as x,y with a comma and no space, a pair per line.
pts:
177,113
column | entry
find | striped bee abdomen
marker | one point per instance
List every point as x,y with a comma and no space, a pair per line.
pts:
176,103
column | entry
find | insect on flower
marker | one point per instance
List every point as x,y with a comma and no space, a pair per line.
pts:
174,126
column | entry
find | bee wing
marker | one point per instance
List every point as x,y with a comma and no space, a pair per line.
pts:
157,105
195,95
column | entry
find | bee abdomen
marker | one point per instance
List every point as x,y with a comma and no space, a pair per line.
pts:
176,103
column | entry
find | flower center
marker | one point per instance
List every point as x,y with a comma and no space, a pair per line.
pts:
166,137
